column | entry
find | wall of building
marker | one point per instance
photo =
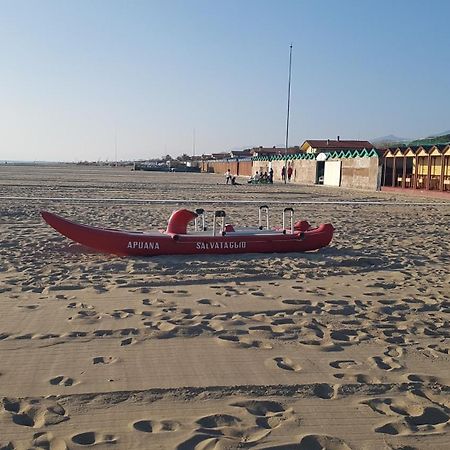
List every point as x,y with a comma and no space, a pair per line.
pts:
357,173
304,171
361,173
261,167
238,168
245,169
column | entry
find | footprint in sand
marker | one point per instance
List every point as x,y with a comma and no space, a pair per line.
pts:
361,378
29,307
325,391
420,378
258,294
254,343
93,438
49,336
76,334
394,352
218,421
104,360
122,314
323,442
25,336
384,363
62,381
128,341
229,438
79,305
287,364
439,349
268,414
154,426
34,414
46,440
410,417
103,333
261,407
343,364
206,301
242,341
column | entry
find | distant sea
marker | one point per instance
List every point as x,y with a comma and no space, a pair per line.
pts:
28,163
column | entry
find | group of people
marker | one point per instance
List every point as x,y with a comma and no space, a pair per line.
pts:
289,173
266,177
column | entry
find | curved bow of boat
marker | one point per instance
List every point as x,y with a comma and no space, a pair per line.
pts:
101,239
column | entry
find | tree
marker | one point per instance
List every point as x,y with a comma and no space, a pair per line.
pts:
183,157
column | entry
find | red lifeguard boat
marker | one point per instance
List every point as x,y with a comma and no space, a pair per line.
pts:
176,240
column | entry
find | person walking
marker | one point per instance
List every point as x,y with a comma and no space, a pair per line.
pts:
283,173
228,176
289,173
271,176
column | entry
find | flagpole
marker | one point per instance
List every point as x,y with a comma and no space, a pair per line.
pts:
287,115
115,144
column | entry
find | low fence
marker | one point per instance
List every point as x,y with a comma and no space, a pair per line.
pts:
238,167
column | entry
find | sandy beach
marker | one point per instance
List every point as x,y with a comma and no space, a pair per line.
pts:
345,348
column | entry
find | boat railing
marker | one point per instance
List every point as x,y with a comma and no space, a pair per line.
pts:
219,227
263,210
200,215
289,211
219,216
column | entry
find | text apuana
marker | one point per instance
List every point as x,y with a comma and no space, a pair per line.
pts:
143,245
219,245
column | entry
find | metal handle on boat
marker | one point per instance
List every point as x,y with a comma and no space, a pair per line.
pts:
200,213
219,215
263,209
291,211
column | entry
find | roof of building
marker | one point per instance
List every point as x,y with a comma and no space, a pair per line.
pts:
222,155
328,144
274,150
415,149
242,153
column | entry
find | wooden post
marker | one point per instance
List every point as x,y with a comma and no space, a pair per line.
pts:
393,173
404,173
446,168
441,181
416,170
429,172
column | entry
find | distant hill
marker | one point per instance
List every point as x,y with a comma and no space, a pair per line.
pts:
443,133
392,141
389,141
432,140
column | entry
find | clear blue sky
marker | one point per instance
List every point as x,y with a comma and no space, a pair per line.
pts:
74,74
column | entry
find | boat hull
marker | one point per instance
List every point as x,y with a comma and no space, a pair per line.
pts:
152,244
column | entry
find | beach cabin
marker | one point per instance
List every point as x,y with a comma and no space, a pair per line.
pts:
425,167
